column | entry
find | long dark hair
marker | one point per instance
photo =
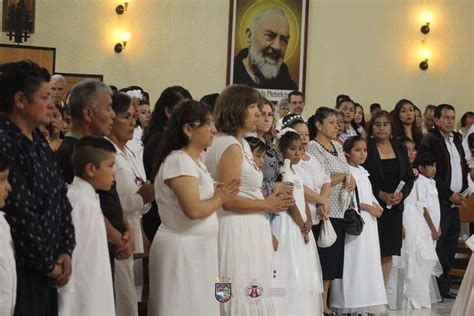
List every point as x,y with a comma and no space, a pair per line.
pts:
379,114
169,98
174,138
399,131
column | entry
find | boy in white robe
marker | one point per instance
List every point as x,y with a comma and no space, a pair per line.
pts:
90,290
7,258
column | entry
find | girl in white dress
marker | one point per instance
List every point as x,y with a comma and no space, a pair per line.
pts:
183,255
362,288
244,241
298,272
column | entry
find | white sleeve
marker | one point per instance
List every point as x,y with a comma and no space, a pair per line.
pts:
130,200
423,194
177,165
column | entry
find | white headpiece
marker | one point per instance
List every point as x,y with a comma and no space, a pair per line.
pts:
135,94
284,131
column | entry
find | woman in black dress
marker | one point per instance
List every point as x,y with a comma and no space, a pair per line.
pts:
388,164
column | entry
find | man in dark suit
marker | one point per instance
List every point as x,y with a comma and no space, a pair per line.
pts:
261,64
451,179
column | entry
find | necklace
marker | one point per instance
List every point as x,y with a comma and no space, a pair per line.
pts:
332,152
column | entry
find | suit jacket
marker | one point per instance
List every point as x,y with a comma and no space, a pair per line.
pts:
373,164
433,143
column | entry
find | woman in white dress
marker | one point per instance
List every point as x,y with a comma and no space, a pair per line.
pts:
298,273
362,288
135,197
183,255
245,240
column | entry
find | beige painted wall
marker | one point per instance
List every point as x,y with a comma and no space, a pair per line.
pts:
369,49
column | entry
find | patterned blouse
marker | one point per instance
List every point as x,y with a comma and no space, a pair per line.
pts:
333,163
37,208
271,169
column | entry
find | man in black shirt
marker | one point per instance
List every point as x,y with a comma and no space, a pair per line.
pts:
37,208
445,144
90,107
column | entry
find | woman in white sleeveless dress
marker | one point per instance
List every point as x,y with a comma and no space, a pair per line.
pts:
183,255
245,240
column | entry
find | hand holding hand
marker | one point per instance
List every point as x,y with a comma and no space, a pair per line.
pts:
278,202
227,190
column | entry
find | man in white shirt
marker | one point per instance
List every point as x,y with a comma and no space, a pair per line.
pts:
451,180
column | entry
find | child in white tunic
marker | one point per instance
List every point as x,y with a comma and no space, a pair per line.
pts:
362,288
90,289
297,272
7,258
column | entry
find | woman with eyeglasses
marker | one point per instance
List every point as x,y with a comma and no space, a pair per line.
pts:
245,241
183,255
135,196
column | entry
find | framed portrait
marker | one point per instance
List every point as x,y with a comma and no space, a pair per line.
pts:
10,5
267,45
43,56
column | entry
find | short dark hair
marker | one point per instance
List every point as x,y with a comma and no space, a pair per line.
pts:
429,107
439,109
424,159
210,100
470,140
121,102
90,149
231,107
296,93
464,118
5,162
256,144
22,76
374,106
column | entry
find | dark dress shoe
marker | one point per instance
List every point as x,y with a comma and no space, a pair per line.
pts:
449,295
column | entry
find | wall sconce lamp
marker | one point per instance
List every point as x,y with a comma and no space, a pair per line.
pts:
425,29
121,8
426,55
119,47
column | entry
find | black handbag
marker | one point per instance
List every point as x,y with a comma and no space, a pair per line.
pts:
353,221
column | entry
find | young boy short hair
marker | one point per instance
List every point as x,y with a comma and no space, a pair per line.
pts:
91,289
427,191
7,259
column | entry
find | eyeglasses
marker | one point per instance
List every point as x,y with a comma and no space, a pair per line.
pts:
297,102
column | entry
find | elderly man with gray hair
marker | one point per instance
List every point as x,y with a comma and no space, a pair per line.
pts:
261,64
58,83
90,107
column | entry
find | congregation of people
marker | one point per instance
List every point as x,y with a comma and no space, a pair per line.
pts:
242,206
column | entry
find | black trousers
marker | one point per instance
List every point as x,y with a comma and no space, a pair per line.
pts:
35,294
447,243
